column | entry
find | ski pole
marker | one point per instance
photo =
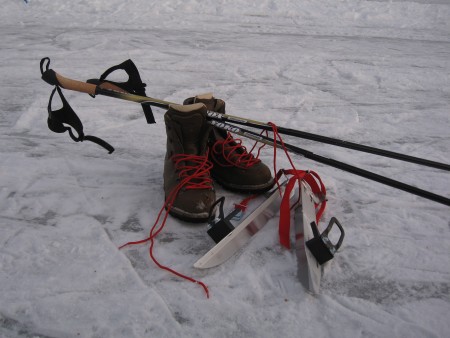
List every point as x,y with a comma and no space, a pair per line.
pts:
329,140
107,89
334,163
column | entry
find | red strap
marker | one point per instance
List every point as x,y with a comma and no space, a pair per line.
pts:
317,188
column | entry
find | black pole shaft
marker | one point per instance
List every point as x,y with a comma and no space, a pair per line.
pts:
332,141
285,131
337,164
371,176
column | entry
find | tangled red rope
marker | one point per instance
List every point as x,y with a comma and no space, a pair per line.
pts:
194,174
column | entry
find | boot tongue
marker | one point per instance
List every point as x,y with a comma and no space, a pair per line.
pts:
192,134
192,128
211,103
207,99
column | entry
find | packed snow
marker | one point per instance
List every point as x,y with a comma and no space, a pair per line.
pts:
371,72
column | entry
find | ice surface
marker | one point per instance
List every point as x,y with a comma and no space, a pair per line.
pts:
375,72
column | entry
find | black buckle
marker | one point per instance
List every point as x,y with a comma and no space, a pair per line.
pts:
321,246
221,226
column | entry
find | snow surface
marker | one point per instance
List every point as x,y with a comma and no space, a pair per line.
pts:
374,72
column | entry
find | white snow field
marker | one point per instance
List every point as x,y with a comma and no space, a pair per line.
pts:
371,72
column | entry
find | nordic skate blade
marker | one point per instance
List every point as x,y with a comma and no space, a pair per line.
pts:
309,216
236,239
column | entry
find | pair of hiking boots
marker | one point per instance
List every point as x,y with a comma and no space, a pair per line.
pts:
199,154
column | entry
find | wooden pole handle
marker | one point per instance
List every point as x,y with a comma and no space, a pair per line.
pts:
53,78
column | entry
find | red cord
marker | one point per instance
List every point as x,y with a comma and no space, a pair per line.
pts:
194,174
234,153
276,136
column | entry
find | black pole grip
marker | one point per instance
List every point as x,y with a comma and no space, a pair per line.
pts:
49,76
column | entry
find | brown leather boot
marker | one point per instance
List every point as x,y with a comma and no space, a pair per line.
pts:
187,182
233,167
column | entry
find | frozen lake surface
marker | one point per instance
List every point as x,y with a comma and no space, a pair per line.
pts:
371,72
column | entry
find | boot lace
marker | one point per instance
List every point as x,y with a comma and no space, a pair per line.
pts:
193,171
230,152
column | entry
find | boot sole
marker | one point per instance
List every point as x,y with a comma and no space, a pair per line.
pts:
188,217
245,189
